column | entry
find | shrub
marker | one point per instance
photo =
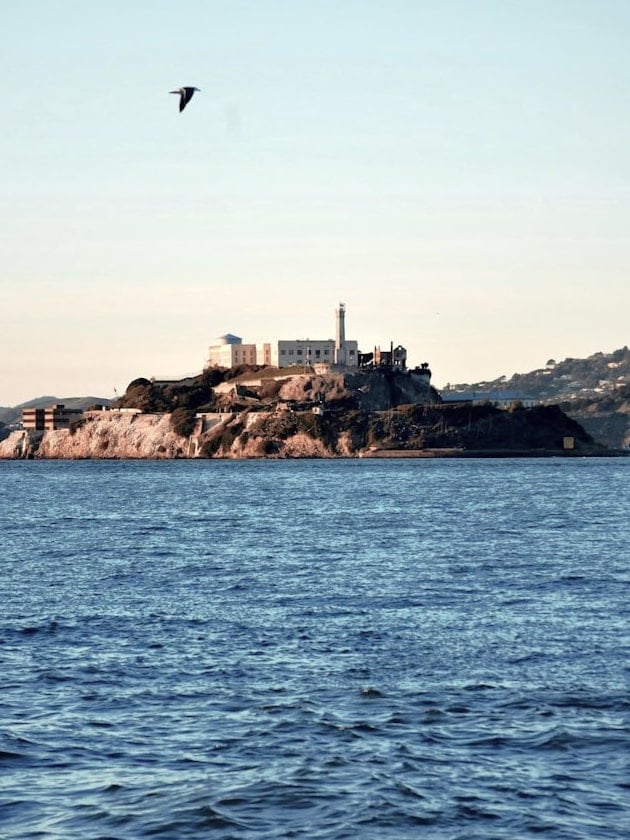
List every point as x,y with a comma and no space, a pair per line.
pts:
306,422
183,422
239,370
271,388
227,440
211,377
144,395
75,425
211,447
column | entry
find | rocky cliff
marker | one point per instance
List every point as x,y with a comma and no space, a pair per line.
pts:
316,432
372,391
107,434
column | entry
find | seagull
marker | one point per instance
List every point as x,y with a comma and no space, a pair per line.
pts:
185,95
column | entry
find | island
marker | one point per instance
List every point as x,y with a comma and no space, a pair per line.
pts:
252,411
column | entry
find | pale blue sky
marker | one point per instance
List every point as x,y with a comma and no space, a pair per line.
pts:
456,171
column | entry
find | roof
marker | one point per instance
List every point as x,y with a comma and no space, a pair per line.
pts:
479,396
228,338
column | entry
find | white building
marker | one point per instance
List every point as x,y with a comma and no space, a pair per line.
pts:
230,351
304,351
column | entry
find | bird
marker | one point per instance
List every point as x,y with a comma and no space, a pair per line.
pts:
185,95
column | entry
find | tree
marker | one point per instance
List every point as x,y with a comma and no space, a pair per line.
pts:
183,422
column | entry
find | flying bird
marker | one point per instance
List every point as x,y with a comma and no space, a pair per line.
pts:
185,95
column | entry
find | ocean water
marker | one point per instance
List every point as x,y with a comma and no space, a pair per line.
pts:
321,649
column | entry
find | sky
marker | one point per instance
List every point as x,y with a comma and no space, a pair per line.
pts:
457,172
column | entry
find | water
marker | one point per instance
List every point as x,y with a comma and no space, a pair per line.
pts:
345,649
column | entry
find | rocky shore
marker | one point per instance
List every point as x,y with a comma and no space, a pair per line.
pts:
270,414
283,432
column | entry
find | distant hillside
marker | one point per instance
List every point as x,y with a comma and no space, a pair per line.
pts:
601,373
594,391
605,417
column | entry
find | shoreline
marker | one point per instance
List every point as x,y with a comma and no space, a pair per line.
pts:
493,453
118,435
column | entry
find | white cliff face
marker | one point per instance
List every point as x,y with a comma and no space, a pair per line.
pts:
110,435
299,445
17,445
106,435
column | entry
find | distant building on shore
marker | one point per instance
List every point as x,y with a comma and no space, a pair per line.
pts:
50,417
501,399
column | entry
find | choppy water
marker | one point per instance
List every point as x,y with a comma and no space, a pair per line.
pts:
347,649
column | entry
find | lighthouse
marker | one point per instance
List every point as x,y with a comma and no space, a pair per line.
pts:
340,335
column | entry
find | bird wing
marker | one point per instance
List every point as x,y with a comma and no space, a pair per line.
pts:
187,95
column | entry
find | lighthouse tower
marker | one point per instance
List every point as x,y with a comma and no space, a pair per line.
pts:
340,335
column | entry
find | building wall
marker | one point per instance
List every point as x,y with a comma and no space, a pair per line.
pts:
350,357
33,418
263,354
50,418
230,355
303,352
230,351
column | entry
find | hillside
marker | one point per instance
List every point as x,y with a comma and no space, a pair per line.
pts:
258,388
594,391
606,418
571,379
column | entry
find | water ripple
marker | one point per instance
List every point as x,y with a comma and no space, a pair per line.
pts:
246,650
